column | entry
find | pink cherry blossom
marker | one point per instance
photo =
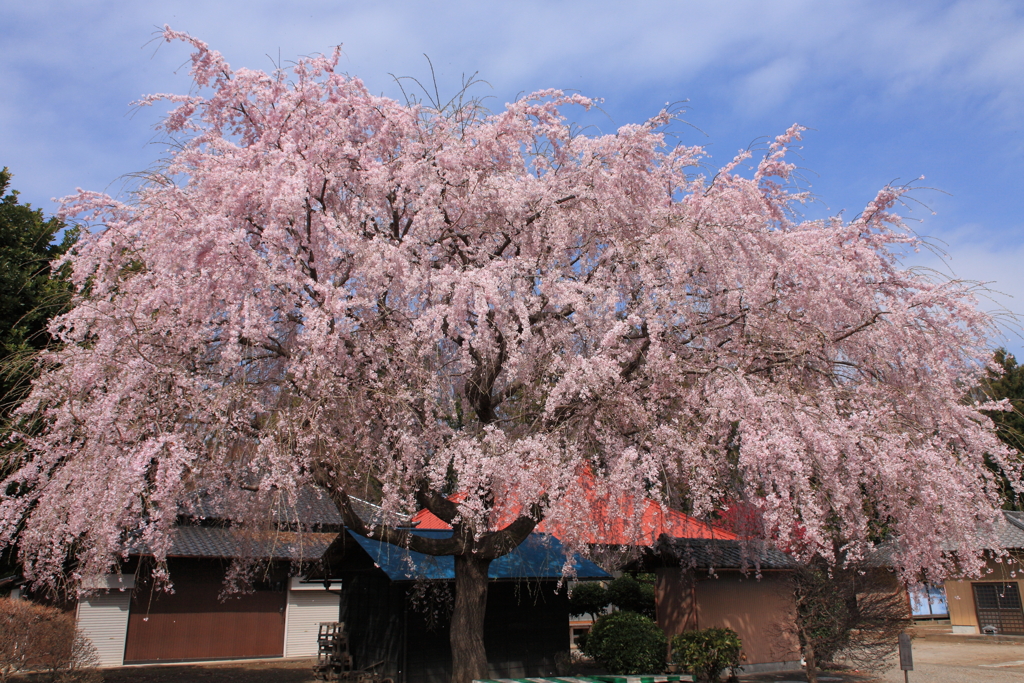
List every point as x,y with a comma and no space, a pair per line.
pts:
326,286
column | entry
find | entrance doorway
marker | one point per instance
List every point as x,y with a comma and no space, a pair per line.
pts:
998,606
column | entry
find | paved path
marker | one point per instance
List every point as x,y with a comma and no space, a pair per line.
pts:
936,662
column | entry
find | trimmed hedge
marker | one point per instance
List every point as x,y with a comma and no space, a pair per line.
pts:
627,643
707,652
627,593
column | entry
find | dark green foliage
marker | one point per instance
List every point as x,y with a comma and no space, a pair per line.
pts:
627,643
627,593
1009,424
705,653
29,296
589,597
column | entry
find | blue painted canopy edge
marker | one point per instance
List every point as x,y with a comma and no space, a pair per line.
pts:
538,557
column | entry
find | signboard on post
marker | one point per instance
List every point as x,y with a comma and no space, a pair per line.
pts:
906,655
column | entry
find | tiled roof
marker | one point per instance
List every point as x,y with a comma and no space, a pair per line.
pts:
1011,532
373,515
192,541
701,553
540,556
311,506
1009,536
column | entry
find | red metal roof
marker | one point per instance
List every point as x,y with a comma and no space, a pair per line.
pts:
613,524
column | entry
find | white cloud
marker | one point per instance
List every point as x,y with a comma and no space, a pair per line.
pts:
71,68
771,84
994,263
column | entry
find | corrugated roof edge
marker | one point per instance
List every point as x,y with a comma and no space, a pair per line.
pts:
245,544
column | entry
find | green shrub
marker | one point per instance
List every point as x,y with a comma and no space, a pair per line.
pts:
627,593
627,643
706,652
588,597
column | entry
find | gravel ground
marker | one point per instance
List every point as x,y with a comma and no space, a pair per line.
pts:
934,662
255,671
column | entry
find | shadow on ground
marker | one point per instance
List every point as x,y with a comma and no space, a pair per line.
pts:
291,671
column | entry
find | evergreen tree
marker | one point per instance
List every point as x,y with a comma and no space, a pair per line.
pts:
29,297
1008,384
29,294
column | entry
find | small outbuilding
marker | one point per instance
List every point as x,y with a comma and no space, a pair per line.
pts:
131,621
396,605
713,582
992,604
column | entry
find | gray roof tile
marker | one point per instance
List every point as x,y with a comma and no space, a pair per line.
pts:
701,553
193,541
311,506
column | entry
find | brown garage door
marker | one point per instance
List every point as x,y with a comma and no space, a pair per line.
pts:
193,624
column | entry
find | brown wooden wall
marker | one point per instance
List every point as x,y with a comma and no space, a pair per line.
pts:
761,611
960,596
193,624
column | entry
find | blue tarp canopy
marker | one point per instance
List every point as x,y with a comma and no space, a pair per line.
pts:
540,556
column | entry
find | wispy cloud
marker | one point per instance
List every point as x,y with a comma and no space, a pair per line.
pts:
853,69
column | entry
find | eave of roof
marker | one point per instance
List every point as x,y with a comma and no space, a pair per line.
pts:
714,553
309,506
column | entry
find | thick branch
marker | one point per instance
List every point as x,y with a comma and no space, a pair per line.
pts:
493,546
382,532
441,507
867,323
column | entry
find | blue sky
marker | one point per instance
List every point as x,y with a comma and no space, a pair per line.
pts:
891,91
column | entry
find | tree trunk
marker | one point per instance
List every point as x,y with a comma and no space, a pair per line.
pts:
469,659
811,661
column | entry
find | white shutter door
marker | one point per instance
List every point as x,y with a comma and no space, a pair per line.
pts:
306,609
103,619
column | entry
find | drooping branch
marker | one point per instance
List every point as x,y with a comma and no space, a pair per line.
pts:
383,532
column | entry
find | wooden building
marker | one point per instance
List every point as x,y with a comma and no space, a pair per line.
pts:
703,577
704,583
131,622
992,604
396,604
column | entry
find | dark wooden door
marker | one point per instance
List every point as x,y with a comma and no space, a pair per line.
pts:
998,605
194,624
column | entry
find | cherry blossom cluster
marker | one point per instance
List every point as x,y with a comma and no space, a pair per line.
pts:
323,286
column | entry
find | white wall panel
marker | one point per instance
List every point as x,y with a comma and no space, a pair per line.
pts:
103,619
306,609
